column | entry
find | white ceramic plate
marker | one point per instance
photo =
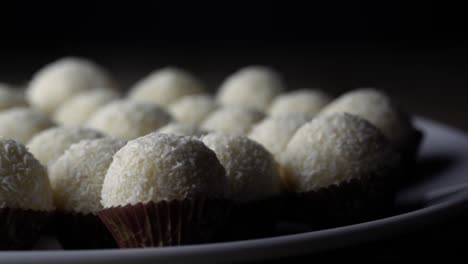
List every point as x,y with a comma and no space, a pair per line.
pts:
444,157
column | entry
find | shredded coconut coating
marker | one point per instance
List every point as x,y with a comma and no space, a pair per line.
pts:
77,176
48,145
335,148
129,119
78,109
160,167
60,80
165,86
306,102
23,180
21,123
181,129
232,119
275,132
193,109
251,171
253,86
10,97
377,108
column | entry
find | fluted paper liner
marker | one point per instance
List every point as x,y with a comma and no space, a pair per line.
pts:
82,231
20,229
355,201
166,223
252,219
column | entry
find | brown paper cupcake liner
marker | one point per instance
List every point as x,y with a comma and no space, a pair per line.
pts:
253,219
355,201
20,229
166,223
82,231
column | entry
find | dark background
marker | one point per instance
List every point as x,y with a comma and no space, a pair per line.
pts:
416,51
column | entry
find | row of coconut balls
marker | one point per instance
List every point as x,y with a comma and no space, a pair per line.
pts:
252,101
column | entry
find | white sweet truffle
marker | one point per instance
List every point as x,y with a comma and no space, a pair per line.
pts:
48,145
23,180
274,133
251,171
60,80
193,109
160,167
231,119
77,176
21,123
253,86
128,119
181,129
308,102
335,148
165,86
10,97
377,108
79,108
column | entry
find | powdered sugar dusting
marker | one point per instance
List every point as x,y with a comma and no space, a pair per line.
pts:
335,148
23,180
162,167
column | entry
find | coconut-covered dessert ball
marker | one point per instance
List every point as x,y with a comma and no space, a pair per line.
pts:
77,176
10,97
48,145
60,80
23,180
251,170
275,132
128,119
160,167
336,148
377,108
79,108
182,129
307,102
253,86
21,123
165,86
193,109
232,119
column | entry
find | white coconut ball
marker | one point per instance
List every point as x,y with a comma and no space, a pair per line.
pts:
253,86
160,167
335,148
21,123
275,132
23,180
251,170
77,176
377,108
231,119
59,81
165,86
128,119
181,129
77,110
10,97
307,102
48,145
193,109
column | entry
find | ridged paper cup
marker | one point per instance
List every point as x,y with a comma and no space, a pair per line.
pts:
82,231
20,229
166,223
351,202
252,219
